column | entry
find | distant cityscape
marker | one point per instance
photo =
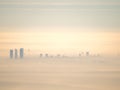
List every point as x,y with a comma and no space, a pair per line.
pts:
14,53
19,54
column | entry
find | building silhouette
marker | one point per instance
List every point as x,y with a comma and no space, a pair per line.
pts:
46,55
21,52
11,53
41,55
87,53
16,53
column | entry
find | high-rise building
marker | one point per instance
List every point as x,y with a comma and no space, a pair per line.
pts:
16,53
46,55
41,55
87,53
11,53
21,52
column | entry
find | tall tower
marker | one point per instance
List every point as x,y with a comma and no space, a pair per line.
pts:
11,53
87,53
21,52
16,53
41,55
46,55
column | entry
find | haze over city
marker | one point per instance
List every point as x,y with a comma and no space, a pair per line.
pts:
60,26
87,31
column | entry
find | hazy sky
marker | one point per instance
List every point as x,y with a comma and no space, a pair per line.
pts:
63,25
60,13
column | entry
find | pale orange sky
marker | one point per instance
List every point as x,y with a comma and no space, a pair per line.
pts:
62,42
60,26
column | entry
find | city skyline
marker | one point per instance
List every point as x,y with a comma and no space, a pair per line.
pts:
59,44
62,26
103,43
15,53
19,53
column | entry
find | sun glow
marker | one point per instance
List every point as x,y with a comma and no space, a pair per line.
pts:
62,42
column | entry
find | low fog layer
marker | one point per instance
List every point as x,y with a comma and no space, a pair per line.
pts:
60,74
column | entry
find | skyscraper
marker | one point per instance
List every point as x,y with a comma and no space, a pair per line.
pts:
41,55
11,53
46,55
87,53
16,53
21,52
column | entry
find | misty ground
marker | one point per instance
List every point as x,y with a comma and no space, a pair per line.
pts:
98,73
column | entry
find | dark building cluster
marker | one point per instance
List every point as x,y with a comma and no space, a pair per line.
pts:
14,53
